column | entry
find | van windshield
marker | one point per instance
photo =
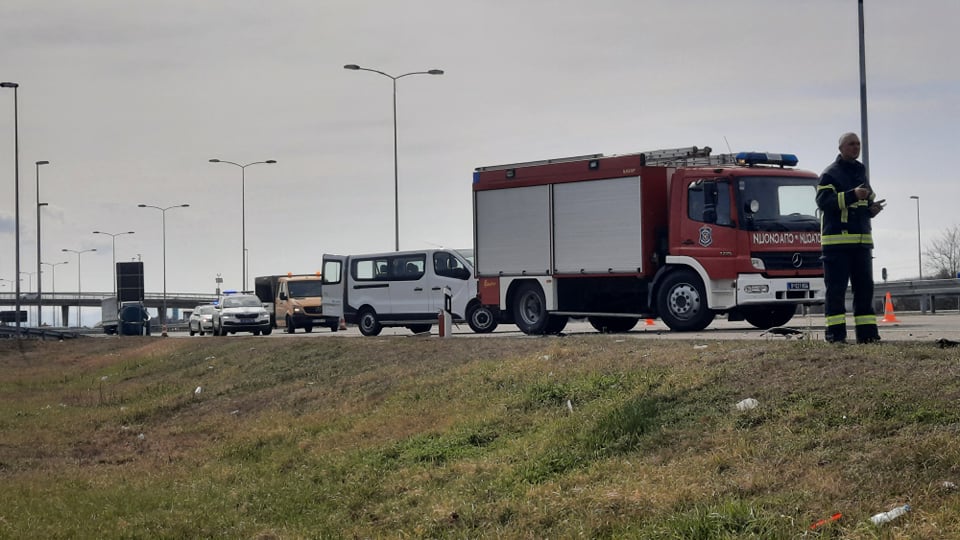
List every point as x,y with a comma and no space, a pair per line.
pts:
304,289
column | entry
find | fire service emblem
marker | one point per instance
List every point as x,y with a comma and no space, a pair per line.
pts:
706,236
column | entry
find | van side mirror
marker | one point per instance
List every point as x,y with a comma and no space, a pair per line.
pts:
283,295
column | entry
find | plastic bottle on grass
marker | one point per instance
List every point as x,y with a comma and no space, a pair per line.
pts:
890,515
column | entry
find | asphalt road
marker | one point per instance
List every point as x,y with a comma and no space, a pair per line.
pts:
909,327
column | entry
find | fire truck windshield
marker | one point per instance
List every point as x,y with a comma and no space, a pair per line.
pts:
774,203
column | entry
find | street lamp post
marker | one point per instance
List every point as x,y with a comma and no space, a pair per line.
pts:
53,284
78,252
163,226
16,195
243,211
113,252
919,260
39,281
396,183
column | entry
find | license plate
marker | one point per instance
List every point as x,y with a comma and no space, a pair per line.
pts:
798,286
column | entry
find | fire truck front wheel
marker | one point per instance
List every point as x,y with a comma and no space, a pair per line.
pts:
682,302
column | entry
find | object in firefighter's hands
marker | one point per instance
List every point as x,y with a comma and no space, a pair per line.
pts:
877,206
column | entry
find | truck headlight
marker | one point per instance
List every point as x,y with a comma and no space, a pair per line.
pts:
757,263
756,289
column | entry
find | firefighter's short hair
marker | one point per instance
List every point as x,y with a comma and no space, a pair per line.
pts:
847,136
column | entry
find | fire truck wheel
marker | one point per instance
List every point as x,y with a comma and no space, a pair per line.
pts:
682,302
368,323
613,325
419,328
530,309
556,324
766,317
481,319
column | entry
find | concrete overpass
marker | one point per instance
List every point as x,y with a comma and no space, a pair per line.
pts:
67,300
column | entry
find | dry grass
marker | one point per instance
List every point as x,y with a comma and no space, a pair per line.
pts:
595,436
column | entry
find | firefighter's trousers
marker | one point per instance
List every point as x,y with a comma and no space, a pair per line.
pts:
853,264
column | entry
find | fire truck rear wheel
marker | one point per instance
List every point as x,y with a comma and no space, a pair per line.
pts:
613,325
682,302
368,323
530,309
481,319
766,317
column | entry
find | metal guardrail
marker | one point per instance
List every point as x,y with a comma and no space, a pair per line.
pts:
917,287
42,333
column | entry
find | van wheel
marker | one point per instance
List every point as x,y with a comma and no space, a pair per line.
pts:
368,323
290,328
682,302
530,309
308,329
268,330
481,319
192,333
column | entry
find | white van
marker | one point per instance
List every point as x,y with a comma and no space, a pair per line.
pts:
402,288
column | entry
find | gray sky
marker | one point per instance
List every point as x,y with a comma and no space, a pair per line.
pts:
129,101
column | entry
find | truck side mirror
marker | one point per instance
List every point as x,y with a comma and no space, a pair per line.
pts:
283,295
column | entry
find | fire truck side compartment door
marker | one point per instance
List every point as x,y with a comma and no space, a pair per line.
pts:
513,230
598,226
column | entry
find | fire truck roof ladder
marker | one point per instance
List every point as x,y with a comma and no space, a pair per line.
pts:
687,156
535,163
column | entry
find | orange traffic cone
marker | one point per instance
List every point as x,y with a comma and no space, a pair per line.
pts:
888,315
648,322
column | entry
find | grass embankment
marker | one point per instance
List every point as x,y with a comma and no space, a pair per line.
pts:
593,436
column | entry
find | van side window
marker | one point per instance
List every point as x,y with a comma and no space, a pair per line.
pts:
446,265
331,272
409,268
370,269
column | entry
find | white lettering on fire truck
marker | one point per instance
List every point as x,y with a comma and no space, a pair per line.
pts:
786,238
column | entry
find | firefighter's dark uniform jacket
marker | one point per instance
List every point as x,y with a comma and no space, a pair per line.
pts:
845,220
845,236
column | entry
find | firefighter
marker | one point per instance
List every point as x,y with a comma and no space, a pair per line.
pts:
847,204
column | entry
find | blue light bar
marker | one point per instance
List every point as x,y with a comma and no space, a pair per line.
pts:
764,158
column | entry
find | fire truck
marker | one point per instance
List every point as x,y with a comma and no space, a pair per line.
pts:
678,234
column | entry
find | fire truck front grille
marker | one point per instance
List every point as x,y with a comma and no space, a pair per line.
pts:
790,260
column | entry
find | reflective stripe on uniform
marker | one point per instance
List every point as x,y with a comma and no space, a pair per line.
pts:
836,320
861,320
845,239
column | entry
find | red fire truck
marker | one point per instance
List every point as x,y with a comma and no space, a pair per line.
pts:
678,234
